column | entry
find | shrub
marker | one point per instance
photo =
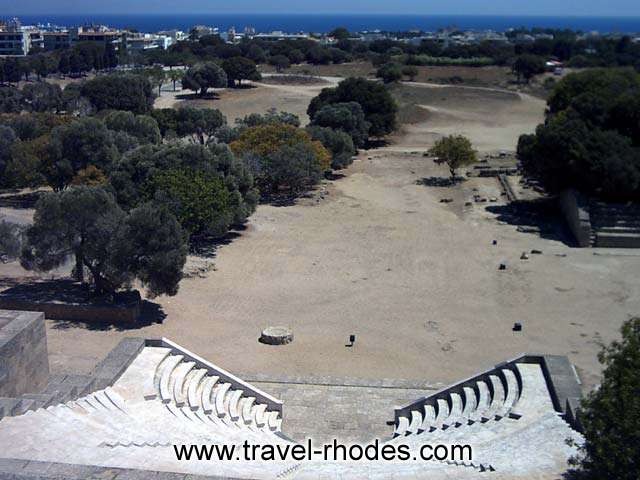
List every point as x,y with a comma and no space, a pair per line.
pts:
337,142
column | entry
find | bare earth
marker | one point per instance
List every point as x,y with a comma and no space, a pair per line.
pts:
417,281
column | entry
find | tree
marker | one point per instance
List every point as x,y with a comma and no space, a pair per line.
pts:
389,73
175,76
199,123
590,138
455,151
74,147
612,442
42,97
142,127
199,200
319,56
204,76
115,247
293,166
240,68
157,77
110,60
7,141
340,33
132,93
10,100
256,53
410,71
337,142
265,146
133,178
281,62
377,104
10,240
347,117
527,66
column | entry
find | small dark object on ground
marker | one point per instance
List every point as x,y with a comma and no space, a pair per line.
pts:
503,266
495,242
517,327
524,256
352,341
446,200
536,252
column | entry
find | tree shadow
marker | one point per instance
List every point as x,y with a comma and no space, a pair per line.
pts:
196,96
20,200
374,143
539,217
70,294
435,182
244,86
206,246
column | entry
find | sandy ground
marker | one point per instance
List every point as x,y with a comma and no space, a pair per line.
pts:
416,280
258,98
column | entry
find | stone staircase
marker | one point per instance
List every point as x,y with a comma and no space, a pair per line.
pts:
489,396
615,225
179,382
60,389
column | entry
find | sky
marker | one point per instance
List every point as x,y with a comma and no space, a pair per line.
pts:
619,8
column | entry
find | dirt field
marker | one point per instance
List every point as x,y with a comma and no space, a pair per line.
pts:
416,280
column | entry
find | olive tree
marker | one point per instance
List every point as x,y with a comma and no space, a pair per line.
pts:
455,151
203,76
115,247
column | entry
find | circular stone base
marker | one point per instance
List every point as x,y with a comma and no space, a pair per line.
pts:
276,336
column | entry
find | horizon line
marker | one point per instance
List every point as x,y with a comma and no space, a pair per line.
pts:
375,14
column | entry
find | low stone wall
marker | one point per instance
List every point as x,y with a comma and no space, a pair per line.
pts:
575,210
24,363
67,300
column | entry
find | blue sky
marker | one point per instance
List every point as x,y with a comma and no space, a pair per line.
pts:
433,7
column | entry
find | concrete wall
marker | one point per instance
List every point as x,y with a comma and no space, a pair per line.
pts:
24,363
575,210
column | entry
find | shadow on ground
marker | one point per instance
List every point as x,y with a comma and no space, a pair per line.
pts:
20,200
440,181
71,293
538,217
206,246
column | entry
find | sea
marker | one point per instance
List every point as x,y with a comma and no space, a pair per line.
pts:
293,23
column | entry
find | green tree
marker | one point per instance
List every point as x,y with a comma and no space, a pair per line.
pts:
240,68
10,100
143,127
201,77
390,73
293,166
7,141
337,142
42,97
199,200
119,92
455,151
347,117
11,236
610,415
377,104
340,33
280,62
74,147
410,71
200,124
528,66
115,247
175,76
133,178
